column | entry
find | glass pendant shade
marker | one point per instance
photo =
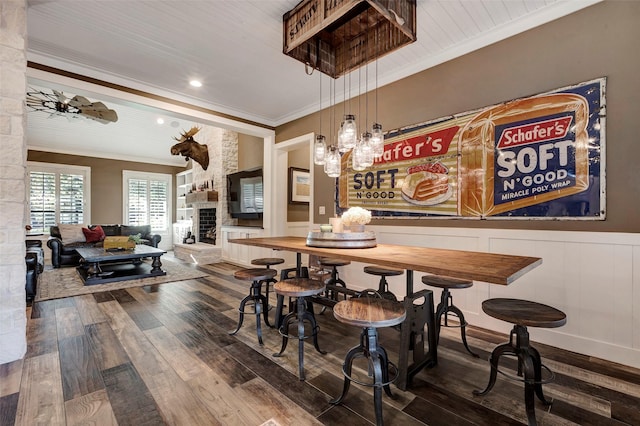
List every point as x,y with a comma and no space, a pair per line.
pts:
366,149
357,158
349,133
332,162
319,150
377,140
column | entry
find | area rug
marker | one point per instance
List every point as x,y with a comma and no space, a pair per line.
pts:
65,282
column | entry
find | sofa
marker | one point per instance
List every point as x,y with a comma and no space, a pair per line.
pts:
65,239
34,258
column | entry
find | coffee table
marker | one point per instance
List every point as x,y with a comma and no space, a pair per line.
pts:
100,266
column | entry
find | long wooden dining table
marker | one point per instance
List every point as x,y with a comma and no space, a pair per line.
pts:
491,268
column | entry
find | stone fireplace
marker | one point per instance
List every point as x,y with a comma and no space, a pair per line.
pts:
206,229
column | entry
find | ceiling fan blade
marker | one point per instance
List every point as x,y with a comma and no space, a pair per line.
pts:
78,101
102,115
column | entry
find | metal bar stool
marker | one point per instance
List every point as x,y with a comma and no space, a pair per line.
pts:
268,262
370,313
257,276
335,277
522,313
300,288
383,273
446,304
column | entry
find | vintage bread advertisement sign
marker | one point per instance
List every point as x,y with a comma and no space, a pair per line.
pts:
536,157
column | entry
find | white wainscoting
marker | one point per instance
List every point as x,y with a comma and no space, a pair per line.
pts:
593,277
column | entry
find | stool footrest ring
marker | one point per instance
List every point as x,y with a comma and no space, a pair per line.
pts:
550,375
380,385
314,332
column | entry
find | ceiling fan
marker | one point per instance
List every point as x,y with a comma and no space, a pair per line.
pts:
57,104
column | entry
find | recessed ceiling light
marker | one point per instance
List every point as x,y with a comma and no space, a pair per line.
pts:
195,83
160,121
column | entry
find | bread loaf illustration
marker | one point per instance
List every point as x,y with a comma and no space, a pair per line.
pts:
523,153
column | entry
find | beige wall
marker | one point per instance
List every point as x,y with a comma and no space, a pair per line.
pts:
106,181
598,41
298,212
250,152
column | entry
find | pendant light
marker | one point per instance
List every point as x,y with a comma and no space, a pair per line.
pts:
332,162
319,150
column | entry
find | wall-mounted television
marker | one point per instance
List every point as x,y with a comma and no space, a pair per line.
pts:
245,194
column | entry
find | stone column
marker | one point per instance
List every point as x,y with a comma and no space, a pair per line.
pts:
13,159
222,145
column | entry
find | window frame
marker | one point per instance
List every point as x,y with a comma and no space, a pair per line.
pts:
37,166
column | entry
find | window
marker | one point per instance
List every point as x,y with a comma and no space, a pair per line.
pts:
58,193
147,199
252,200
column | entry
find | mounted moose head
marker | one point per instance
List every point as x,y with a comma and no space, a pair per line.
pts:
191,149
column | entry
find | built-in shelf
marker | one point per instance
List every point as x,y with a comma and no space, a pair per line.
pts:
184,181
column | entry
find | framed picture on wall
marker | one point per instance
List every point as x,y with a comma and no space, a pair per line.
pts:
299,186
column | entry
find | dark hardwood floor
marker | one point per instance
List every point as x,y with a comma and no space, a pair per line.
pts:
162,355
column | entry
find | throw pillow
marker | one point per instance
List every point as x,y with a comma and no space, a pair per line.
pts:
72,233
94,235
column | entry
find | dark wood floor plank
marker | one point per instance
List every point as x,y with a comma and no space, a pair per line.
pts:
122,296
437,406
288,384
341,415
105,346
140,315
200,343
130,399
80,373
8,409
164,307
104,296
583,417
217,325
359,400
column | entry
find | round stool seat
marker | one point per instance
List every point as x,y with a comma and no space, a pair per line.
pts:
382,272
524,313
299,287
333,262
442,281
255,274
267,261
369,312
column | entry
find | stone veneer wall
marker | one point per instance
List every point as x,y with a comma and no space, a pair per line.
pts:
13,87
223,159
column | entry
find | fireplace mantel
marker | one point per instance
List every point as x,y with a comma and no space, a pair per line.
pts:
201,197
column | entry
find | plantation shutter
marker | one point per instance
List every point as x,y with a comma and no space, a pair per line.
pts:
57,195
148,203
71,198
158,205
42,201
138,207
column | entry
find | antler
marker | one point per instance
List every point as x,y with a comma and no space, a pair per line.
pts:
188,135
